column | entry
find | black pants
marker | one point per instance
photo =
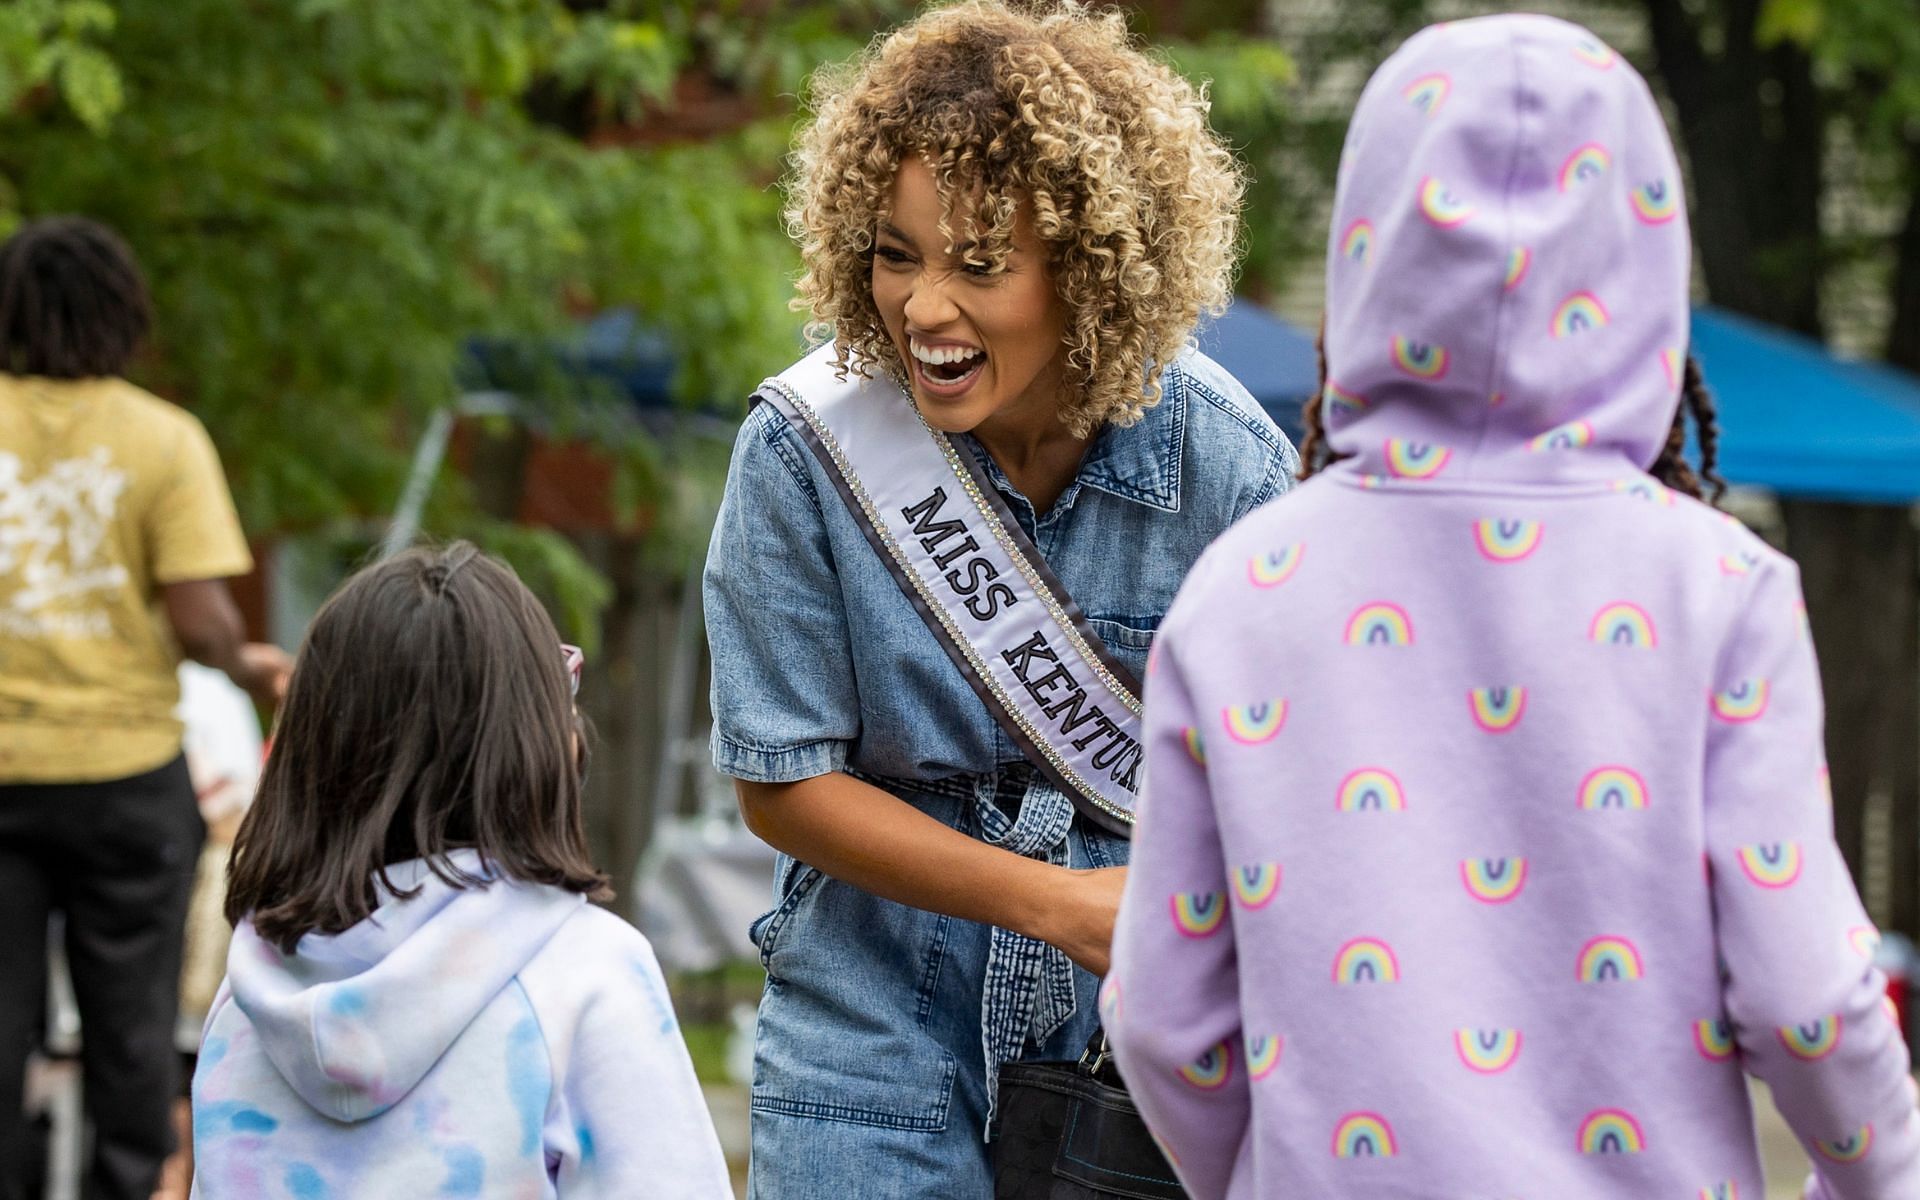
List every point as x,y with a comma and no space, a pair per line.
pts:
118,859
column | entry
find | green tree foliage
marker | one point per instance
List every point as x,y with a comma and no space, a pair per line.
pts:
332,197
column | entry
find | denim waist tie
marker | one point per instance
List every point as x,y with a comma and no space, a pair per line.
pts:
1028,987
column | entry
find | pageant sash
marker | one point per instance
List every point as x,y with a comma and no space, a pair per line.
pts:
950,542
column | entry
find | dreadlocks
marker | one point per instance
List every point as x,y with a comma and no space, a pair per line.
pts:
1672,468
72,302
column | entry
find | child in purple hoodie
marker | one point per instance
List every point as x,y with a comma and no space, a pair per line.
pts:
1487,836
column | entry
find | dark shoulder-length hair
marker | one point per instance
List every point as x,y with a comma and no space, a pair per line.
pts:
429,711
73,304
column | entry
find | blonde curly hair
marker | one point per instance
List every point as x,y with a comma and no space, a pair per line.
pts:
1134,197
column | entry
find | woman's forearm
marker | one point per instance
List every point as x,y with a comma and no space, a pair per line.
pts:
877,842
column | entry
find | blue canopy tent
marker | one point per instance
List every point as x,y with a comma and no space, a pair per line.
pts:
1795,419
1800,422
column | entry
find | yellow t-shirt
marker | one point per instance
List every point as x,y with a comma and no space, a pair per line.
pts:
106,493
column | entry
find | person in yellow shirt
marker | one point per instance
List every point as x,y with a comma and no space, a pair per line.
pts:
117,536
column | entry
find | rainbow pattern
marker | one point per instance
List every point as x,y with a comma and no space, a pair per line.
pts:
1211,1070
1366,960
1340,400
1415,460
1623,624
1493,880
1812,1041
1254,724
1263,1055
1611,1131
1579,313
1713,1037
1655,203
1196,745
1772,865
1613,787
1851,1148
1441,206
1742,563
1371,788
1422,360
1608,959
1741,702
1671,365
1643,488
1571,436
1256,884
1428,92
1363,1135
1595,54
1356,242
1865,940
1726,1189
1379,624
1109,999
1506,541
1588,162
1199,914
1275,567
1518,260
1497,709
1488,1051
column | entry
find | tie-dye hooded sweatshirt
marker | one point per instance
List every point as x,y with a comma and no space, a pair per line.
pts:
500,1041
1486,836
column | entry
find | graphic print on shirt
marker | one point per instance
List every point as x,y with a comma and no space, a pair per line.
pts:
1275,567
1609,959
1366,960
1364,1135
1263,1055
1714,1039
1613,787
1771,865
1199,914
1851,1148
52,530
1211,1070
1371,789
1506,541
1611,1131
1497,709
1254,724
1256,884
1493,880
1487,1051
1813,1040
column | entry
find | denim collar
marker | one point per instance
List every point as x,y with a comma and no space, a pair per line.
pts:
1140,462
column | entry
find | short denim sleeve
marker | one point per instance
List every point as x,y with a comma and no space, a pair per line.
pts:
785,706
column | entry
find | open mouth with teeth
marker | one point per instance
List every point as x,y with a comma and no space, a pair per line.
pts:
945,366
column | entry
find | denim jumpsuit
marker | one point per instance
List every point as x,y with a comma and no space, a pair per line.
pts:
872,1073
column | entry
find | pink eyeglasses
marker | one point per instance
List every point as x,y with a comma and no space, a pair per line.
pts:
576,662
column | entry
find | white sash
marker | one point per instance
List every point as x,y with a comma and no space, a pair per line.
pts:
988,596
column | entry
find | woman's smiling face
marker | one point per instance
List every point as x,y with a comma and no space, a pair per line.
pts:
980,348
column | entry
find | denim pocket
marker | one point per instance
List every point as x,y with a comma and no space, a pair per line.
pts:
843,1033
1128,637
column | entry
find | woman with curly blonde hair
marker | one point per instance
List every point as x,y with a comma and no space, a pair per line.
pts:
948,536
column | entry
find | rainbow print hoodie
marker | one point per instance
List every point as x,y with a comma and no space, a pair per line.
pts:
1486,839
500,1041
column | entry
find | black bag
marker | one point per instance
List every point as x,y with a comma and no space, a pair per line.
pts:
1069,1131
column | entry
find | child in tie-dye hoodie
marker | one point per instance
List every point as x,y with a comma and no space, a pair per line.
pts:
419,999
1486,836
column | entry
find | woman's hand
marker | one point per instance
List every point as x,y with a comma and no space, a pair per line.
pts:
1080,918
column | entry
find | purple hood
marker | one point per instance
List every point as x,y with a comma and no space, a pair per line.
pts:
1508,265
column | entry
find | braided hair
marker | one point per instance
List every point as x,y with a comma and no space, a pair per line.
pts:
73,304
1671,468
